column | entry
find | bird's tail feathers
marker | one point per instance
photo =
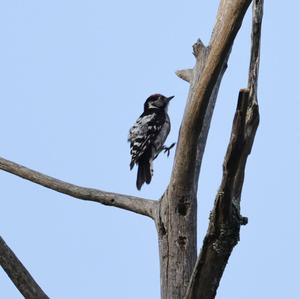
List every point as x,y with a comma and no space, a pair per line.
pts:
144,174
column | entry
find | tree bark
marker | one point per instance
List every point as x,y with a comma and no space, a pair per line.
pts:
176,218
18,274
225,219
134,204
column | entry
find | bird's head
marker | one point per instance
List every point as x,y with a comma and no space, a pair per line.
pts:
157,101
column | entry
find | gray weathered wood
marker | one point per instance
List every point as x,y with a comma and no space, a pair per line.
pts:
225,220
177,215
18,274
131,203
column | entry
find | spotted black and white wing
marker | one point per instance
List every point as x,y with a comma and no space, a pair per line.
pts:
143,136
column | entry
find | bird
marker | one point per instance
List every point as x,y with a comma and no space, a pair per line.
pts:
148,135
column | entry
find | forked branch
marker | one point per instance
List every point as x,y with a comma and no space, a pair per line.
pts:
18,274
225,219
177,218
131,203
213,59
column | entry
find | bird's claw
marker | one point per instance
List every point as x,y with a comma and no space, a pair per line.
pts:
167,149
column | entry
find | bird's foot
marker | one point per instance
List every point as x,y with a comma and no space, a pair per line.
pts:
167,149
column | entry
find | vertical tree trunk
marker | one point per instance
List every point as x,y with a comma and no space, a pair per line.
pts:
177,241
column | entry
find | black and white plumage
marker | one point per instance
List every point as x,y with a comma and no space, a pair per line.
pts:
147,136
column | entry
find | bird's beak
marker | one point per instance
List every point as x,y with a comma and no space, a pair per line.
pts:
170,98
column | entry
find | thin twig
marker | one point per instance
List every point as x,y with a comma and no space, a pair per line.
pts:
131,203
18,274
257,11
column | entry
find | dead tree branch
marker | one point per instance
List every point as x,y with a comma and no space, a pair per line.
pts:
225,219
18,274
257,11
186,75
229,20
137,205
177,218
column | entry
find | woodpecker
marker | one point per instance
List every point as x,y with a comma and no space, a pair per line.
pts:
147,136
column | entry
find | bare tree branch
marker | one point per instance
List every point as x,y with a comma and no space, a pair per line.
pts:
257,11
177,218
134,204
18,274
186,75
229,20
225,219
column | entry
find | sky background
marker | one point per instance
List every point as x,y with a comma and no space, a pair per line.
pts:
73,78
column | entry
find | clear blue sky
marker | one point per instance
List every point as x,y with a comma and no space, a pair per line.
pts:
74,76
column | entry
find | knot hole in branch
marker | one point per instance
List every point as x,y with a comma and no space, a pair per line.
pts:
182,207
181,241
